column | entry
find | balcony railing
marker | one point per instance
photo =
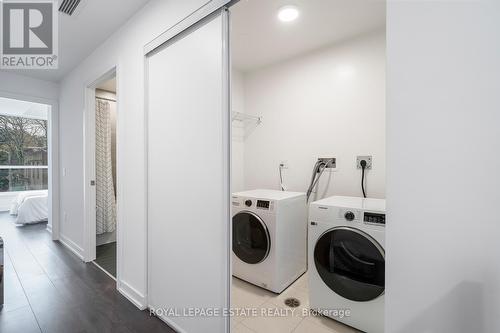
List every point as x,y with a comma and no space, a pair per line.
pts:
23,177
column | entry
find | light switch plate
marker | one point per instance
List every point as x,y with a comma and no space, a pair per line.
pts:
367,158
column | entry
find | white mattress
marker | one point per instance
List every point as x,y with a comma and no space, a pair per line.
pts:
30,207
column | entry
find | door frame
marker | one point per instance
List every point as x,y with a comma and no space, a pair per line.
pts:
89,241
53,156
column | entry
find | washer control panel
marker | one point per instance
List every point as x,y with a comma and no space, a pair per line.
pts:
264,204
359,216
375,218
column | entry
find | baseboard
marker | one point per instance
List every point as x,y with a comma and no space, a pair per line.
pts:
72,246
132,295
49,228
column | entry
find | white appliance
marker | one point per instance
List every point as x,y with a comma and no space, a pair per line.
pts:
347,261
269,237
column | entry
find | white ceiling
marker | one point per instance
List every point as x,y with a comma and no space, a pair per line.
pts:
84,31
14,107
258,38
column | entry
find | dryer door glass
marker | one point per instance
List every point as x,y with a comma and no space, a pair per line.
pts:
351,263
251,242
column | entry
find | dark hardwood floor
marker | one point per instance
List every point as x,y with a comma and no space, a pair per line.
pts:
48,289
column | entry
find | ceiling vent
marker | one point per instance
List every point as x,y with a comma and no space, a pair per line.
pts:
68,6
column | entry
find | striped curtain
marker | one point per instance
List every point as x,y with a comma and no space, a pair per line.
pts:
105,192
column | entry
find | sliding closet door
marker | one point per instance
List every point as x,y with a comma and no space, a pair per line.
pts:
188,176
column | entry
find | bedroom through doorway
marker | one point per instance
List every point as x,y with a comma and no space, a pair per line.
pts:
25,172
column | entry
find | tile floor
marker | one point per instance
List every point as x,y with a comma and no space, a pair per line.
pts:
246,295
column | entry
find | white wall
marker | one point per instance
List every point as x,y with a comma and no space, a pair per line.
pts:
26,86
443,136
329,103
238,132
125,50
6,199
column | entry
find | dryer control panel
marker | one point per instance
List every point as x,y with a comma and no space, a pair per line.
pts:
252,203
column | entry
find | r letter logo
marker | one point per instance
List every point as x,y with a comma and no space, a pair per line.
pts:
29,34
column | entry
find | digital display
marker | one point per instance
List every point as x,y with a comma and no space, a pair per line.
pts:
374,218
262,204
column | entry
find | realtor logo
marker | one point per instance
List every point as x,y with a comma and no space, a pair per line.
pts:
29,34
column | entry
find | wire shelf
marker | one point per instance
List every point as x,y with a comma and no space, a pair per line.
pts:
240,116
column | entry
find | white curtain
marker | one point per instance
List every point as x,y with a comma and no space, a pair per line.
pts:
105,192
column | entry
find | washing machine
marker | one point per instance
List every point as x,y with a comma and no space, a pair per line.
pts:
269,237
346,259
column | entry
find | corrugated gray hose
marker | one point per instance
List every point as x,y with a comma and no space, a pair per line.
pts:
317,175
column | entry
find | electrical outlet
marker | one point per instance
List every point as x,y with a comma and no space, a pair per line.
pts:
332,162
368,160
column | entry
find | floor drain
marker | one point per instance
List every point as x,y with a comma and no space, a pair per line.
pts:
292,302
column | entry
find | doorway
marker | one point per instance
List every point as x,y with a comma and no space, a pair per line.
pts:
105,169
28,161
101,174
308,103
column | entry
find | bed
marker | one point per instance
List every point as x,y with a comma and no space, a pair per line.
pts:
30,207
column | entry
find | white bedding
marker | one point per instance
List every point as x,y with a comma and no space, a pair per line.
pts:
30,207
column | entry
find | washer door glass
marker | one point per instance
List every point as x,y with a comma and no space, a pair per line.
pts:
351,263
251,242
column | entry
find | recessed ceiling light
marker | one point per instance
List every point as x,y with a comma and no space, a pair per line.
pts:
288,13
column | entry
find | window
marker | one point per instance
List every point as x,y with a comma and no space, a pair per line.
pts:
23,146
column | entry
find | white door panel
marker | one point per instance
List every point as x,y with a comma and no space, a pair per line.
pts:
188,176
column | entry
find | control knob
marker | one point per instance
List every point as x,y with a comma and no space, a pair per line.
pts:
349,216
